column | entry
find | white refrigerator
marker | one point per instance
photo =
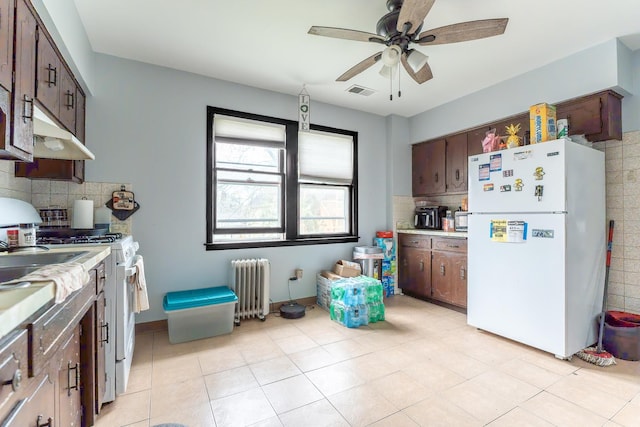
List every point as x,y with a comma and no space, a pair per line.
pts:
537,244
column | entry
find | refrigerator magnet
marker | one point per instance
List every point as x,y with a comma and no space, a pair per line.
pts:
507,173
495,162
505,188
518,184
487,187
484,172
539,173
521,155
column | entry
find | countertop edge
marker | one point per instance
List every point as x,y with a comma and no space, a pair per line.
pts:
440,233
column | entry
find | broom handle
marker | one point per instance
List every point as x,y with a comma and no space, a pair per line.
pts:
606,285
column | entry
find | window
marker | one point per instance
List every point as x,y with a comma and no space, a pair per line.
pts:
270,185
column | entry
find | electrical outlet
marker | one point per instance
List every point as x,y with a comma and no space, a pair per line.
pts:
298,273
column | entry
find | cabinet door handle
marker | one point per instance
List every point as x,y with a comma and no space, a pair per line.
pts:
15,381
404,262
76,386
420,179
69,103
49,422
463,273
453,246
27,113
457,174
442,269
52,81
421,265
105,327
436,176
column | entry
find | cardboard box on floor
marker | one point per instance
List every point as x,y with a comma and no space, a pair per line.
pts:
347,268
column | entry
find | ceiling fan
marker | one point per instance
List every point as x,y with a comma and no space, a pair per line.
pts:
400,28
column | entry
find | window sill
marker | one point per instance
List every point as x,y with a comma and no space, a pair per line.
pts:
279,243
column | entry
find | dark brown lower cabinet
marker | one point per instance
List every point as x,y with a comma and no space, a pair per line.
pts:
434,268
37,408
68,395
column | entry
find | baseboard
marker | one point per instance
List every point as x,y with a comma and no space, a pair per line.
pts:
162,326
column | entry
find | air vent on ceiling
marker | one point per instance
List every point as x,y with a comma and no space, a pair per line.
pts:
360,90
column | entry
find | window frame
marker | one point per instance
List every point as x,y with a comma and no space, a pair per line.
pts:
291,194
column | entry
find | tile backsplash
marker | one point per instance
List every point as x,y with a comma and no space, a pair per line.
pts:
61,194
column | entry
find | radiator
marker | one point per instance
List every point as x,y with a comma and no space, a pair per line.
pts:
250,281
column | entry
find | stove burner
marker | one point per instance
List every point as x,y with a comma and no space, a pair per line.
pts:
106,238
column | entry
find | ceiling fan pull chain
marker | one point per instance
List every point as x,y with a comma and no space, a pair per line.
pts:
399,92
390,84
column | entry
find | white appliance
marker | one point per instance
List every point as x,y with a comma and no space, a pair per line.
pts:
537,244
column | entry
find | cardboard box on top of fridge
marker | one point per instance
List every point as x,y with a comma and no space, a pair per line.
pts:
347,268
542,122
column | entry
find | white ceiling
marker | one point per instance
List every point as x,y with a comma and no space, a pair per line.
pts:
265,44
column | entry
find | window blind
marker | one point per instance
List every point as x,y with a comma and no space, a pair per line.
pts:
325,158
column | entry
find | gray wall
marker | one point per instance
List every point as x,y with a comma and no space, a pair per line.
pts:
146,126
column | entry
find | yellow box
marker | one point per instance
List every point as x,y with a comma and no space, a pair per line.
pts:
542,119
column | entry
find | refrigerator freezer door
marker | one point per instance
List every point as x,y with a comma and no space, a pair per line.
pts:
516,289
509,180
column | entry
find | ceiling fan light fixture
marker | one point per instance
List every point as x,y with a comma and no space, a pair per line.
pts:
416,60
387,71
391,55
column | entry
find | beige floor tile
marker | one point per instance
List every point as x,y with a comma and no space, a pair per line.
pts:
506,386
520,417
220,359
291,393
178,396
612,380
549,362
400,389
369,366
483,404
347,349
561,412
269,422
274,370
313,358
260,351
175,369
399,419
361,405
327,336
587,394
283,331
139,424
248,407
629,416
316,414
461,364
230,382
334,379
433,376
439,412
295,343
530,373
126,409
193,416
139,379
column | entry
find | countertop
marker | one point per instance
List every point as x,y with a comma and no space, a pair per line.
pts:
458,234
17,305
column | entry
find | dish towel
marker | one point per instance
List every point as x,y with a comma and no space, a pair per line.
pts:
68,277
141,299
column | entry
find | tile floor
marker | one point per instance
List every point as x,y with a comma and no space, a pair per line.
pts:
423,366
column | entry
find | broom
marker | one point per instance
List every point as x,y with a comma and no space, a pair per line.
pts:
597,355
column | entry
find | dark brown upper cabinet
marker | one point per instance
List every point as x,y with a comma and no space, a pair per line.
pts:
6,42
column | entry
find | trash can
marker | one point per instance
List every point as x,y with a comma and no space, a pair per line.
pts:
370,259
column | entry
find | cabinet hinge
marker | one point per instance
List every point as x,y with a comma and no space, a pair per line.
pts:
37,35
13,77
80,330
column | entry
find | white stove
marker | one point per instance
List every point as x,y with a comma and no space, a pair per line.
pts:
119,325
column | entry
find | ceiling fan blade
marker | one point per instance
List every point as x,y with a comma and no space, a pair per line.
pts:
360,67
342,33
413,12
464,31
420,76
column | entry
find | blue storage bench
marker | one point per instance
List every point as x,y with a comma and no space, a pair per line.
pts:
199,313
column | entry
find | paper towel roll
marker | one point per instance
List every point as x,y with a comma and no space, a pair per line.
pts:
82,214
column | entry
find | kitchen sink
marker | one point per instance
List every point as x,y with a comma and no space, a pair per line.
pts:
12,273
38,259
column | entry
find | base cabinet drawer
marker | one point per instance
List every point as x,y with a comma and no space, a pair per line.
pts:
37,409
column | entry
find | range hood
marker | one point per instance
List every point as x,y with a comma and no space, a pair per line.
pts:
53,142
